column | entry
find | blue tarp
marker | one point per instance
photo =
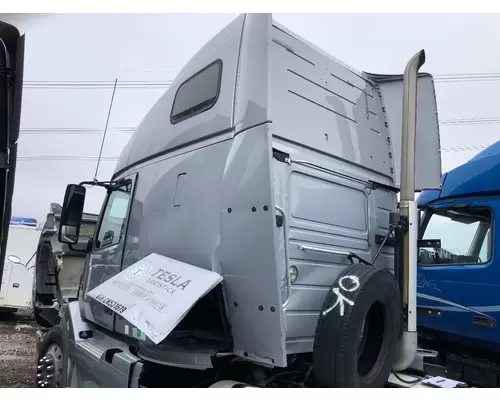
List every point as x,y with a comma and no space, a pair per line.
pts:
23,221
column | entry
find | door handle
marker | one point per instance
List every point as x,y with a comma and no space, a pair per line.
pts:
287,260
484,322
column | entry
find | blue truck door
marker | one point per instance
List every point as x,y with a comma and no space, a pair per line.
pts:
457,284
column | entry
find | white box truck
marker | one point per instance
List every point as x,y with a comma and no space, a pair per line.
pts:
17,280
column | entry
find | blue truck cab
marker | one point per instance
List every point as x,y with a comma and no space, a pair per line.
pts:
458,279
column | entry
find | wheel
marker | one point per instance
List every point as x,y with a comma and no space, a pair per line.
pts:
358,330
50,360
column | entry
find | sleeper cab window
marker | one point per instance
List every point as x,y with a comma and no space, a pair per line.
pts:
115,217
465,234
197,94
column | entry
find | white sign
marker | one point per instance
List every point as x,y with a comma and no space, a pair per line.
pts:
155,293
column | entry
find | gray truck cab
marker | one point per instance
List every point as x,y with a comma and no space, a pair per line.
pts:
272,164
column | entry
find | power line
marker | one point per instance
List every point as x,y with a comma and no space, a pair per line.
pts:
467,77
457,74
65,158
73,131
96,84
465,147
470,121
105,70
145,84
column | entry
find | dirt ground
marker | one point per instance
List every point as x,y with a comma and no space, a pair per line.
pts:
17,350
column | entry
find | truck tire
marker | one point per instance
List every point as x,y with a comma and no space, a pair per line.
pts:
50,359
358,330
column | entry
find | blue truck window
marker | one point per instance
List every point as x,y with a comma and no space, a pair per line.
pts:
465,234
197,94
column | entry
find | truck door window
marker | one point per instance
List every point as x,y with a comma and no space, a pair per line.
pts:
114,219
465,236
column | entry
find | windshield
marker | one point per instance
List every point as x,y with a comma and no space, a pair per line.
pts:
465,235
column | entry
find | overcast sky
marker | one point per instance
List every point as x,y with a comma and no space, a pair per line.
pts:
64,118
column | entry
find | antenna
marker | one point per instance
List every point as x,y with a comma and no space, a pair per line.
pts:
105,130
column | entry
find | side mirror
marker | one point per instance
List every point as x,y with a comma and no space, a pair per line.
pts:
71,215
14,259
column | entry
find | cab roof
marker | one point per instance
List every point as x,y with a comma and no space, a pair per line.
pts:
477,176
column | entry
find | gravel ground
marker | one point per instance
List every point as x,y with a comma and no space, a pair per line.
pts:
17,351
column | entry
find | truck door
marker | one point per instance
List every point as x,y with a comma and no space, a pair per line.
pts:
458,284
107,252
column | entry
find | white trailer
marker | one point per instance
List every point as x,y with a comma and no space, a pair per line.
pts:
17,279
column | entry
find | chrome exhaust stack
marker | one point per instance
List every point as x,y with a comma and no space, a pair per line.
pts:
407,349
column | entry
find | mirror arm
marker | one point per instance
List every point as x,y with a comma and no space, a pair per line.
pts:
94,183
76,250
105,184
